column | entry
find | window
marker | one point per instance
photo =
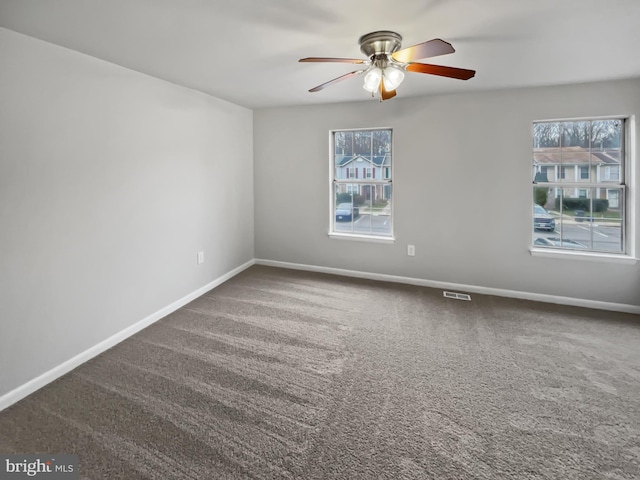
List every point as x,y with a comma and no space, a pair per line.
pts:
612,173
584,211
360,202
584,173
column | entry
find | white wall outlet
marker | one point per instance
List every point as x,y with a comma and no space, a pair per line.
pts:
411,250
200,257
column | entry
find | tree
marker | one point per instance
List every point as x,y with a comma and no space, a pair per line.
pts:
343,198
597,134
541,195
546,134
363,142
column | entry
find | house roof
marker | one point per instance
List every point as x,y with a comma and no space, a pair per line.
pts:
575,156
375,160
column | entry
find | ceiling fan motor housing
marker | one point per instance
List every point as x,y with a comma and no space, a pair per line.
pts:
383,42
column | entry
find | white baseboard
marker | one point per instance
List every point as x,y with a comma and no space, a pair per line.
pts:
537,297
37,383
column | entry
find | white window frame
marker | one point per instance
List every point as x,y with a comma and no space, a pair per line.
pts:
625,184
384,182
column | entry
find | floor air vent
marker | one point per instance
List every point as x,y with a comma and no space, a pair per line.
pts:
457,296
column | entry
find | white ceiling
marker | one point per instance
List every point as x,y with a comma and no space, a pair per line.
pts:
247,51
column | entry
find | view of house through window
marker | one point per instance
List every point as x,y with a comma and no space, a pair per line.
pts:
362,173
579,185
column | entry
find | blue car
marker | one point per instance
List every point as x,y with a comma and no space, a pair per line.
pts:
542,220
345,212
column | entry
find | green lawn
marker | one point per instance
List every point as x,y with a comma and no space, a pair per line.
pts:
608,215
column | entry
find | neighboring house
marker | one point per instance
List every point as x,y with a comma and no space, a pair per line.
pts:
363,168
575,165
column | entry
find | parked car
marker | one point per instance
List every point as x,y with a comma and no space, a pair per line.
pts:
557,242
542,220
580,217
345,212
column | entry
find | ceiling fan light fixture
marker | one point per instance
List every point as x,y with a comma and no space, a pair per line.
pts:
372,80
387,62
393,77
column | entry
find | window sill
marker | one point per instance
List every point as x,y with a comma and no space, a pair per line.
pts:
361,238
586,256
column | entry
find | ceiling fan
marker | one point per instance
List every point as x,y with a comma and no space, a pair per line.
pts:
386,63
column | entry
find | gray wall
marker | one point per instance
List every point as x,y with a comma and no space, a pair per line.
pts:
110,182
462,189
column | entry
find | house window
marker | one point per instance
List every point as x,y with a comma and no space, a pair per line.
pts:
588,216
361,203
612,173
584,173
353,189
612,196
564,172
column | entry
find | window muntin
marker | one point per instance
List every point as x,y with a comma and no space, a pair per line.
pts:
584,204
361,199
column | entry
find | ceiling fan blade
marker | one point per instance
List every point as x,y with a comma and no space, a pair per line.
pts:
384,93
451,72
329,59
336,80
432,48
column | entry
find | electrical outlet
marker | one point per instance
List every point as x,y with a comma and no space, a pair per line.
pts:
411,250
200,257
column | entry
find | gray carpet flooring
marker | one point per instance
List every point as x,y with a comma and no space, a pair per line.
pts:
279,374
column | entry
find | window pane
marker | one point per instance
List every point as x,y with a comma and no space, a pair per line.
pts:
610,165
347,211
576,134
581,219
362,143
546,151
381,142
375,210
343,142
364,224
381,210
543,219
546,135
606,134
344,167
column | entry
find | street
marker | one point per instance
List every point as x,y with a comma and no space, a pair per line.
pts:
367,224
606,237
